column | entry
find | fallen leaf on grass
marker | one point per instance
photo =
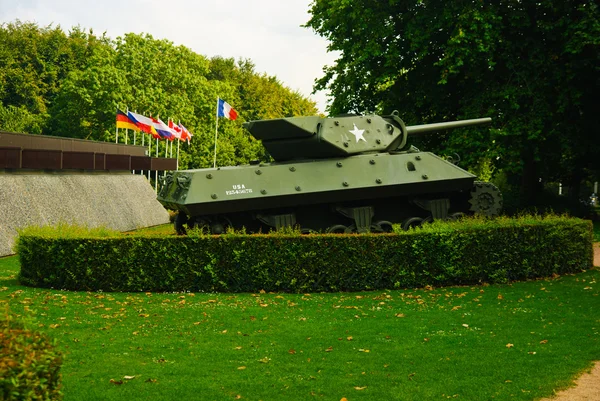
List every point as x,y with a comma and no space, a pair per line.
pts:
151,380
456,308
465,325
128,377
115,382
400,315
241,367
500,296
360,388
292,351
364,350
349,338
509,345
329,349
543,341
238,347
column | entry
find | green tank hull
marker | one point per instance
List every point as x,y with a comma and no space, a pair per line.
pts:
343,186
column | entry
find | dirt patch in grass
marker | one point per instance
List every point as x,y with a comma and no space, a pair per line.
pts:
587,387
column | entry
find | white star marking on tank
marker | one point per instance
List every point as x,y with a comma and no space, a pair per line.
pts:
358,133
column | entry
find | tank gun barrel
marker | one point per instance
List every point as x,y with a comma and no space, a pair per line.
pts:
426,128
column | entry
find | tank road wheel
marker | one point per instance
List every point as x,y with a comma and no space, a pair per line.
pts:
456,216
486,199
337,229
219,224
351,229
180,220
382,226
411,222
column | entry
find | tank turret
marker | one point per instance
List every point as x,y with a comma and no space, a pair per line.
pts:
343,174
314,137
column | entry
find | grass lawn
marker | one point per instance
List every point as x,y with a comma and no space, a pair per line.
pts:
499,342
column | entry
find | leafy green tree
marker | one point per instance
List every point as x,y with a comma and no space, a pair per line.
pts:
19,119
71,85
532,66
34,61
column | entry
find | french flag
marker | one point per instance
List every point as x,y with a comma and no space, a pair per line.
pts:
224,109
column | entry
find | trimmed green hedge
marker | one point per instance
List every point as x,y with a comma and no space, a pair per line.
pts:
29,364
444,253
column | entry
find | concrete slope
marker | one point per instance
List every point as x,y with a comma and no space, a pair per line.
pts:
121,202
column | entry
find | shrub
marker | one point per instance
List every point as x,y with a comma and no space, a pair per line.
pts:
443,253
29,364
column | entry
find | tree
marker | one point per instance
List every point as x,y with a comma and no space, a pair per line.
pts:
532,66
71,85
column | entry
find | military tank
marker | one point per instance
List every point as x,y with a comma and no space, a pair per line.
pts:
345,174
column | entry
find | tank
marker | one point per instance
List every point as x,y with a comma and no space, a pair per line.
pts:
351,173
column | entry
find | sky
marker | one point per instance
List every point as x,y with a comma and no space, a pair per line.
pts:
268,32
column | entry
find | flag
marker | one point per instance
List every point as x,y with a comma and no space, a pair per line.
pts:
123,121
224,109
162,129
185,134
145,124
176,129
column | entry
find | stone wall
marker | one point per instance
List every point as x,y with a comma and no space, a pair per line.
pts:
121,202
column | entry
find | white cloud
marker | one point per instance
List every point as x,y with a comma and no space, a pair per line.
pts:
268,32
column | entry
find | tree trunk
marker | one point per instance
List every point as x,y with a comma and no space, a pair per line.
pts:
530,181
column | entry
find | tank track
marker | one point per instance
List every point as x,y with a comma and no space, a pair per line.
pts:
376,216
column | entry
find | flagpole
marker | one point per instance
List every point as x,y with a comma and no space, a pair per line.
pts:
133,130
178,141
117,131
216,129
126,129
143,136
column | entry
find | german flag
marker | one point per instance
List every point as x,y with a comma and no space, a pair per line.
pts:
125,122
